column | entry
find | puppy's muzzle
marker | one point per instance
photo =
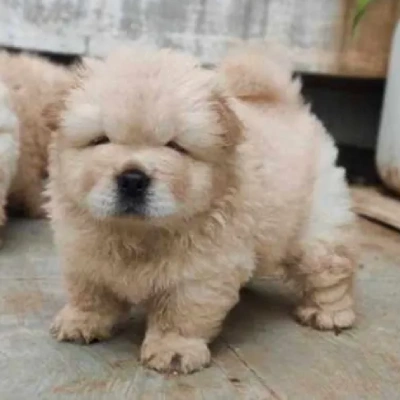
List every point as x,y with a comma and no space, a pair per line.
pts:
132,190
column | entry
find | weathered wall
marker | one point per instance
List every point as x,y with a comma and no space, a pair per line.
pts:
315,31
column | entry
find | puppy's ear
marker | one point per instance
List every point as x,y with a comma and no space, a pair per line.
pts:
231,124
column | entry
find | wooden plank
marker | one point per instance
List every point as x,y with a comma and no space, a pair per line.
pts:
34,366
300,363
246,383
261,355
366,52
377,205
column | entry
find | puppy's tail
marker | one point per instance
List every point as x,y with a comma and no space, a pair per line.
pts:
260,74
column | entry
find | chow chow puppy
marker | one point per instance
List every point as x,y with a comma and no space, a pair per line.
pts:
173,186
31,92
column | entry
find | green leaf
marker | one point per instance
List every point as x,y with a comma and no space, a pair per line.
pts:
361,8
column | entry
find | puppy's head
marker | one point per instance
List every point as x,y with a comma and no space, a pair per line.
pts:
146,135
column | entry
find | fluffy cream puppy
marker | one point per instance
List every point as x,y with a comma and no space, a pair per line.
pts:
31,94
173,186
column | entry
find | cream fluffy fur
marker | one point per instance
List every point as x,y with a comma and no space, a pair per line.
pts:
31,93
254,191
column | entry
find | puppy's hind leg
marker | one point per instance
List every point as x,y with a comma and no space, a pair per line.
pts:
9,149
325,275
324,259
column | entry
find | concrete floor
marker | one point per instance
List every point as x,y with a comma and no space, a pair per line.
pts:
262,354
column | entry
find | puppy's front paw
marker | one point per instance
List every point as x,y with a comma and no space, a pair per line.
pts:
172,353
73,325
325,319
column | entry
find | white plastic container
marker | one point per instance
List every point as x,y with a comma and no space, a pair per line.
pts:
388,147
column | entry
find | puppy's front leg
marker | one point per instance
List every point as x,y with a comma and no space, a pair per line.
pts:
181,324
90,314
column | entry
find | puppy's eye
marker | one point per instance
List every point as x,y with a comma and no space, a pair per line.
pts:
175,146
99,140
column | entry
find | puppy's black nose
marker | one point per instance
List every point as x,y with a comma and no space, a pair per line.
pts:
133,183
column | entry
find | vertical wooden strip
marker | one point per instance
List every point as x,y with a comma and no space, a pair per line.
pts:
365,53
